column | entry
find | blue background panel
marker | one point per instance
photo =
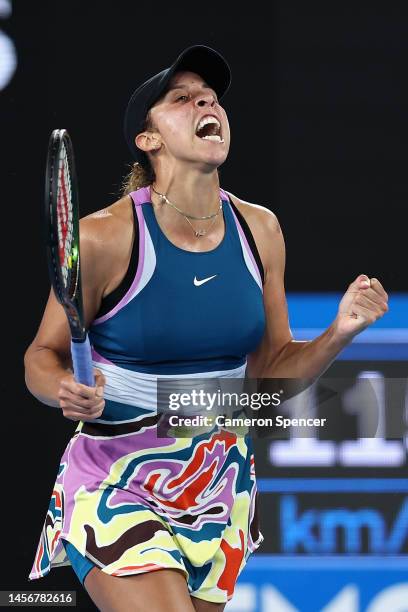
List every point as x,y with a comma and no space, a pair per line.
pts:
322,584
386,339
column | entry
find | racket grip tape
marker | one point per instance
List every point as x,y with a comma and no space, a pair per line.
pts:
82,362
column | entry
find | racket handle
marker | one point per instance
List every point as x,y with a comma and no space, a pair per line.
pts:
82,362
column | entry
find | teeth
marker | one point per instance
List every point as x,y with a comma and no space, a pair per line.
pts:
206,120
214,137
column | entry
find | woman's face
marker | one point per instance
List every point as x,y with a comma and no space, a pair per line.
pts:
192,126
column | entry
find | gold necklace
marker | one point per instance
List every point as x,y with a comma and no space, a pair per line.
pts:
200,232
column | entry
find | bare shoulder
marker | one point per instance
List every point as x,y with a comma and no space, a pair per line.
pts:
264,226
106,241
107,223
256,215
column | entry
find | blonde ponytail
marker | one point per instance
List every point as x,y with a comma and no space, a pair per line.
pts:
139,176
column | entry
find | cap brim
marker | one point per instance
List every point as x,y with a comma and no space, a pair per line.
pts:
205,62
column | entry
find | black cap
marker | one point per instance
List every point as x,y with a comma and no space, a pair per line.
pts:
202,60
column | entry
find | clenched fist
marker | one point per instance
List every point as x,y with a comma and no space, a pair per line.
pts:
79,402
364,302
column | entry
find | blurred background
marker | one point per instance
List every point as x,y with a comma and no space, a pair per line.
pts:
318,109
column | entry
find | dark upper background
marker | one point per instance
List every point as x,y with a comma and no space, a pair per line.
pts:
318,112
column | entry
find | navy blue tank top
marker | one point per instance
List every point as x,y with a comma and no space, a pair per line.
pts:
183,312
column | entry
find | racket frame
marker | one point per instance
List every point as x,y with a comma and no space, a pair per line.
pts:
70,300
69,297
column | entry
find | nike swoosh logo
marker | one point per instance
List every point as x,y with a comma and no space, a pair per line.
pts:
197,283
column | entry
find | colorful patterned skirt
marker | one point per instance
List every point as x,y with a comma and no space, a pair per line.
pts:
132,502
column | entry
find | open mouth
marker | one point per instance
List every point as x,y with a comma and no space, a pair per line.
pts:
209,128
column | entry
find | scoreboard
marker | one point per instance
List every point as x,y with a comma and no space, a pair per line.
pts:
334,501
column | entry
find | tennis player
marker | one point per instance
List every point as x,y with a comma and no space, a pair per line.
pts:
181,279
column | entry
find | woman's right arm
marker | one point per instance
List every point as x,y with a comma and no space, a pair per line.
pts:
47,359
48,366
48,369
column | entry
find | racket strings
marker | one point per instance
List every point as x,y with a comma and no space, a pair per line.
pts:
66,248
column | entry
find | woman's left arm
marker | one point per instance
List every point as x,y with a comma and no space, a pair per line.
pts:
278,354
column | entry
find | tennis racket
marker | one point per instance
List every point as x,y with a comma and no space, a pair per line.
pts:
62,242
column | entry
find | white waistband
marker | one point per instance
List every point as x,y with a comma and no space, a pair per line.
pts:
140,389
